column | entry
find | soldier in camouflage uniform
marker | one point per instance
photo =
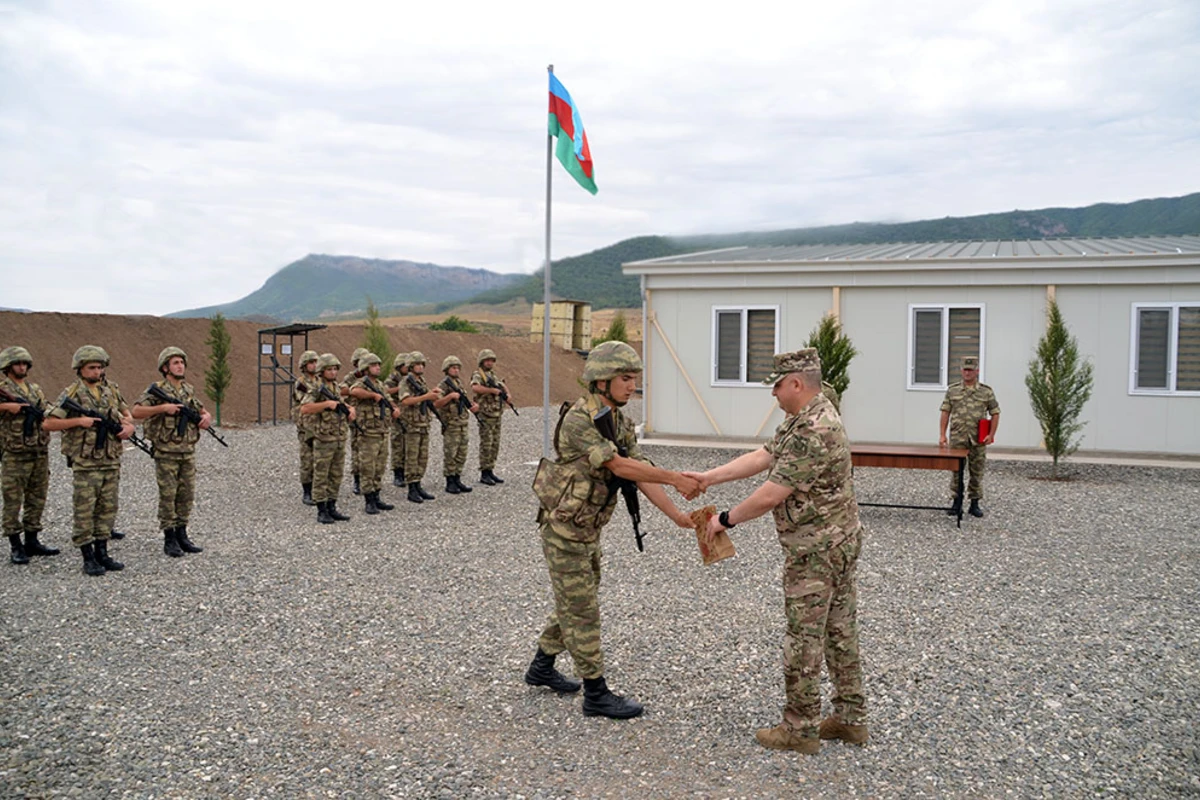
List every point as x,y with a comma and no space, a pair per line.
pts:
454,408
376,419
351,377
810,491
329,438
416,401
577,500
393,385
488,388
307,379
25,471
96,469
966,403
174,452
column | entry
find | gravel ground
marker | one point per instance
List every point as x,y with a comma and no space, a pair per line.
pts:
1048,650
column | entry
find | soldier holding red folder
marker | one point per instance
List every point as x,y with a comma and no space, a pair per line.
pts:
973,415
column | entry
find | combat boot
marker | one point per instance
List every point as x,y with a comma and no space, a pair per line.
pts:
451,486
398,477
357,485
975,510
414,496
110,564
541,672
496,479
171,544
834,728
115,535
370,507
18,549
424,494
598,701
323,513
332,508
955,510
462,487
382,506
781,737
307,498
35,548
186,544
486,477
90,565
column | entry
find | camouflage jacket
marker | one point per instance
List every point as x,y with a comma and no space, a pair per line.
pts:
300,390
374,419
489,404
574,490
415,417
811,455
79,444
327,425
12,426
394,380
161,429
967,405
450,413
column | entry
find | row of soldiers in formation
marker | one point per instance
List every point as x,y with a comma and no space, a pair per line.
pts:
372,410
95,422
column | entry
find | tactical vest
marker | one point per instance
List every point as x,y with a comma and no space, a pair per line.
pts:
373,417
79,444
489,404
327,425
163,429
12,426
416,416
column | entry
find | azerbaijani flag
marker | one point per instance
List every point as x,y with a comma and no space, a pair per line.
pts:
572,147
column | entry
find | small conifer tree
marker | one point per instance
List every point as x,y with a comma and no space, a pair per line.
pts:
617,330
375,337
836,351
218,376
1059,384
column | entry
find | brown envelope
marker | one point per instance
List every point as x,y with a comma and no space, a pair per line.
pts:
722,545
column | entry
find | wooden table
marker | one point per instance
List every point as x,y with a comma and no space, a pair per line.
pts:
904,456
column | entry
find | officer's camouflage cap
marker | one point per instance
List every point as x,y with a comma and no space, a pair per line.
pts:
87,354
970,362
327,360
168,353
806,360
610,359
13,355
450,361
484,355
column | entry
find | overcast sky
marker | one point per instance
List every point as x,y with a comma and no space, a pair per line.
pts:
156,155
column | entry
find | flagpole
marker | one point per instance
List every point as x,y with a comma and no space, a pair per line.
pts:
546,301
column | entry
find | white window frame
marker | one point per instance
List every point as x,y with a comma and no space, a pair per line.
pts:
941,386
1172,348
743,356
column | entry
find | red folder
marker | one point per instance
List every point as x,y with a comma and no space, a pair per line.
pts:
985,428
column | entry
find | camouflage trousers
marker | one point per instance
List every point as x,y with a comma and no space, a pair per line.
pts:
820,601
372,460
489,441
574,624
306,455
976,465
455,441
354,434
329,464
397,446
416,454
176,475
25,482
95,502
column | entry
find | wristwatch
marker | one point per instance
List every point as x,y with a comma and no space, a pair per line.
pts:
723,518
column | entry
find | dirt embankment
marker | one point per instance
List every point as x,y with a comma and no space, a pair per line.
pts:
134,342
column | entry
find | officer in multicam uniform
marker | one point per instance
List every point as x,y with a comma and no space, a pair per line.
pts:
329,439
376,420
96,471
571,521
415,399
25,470
456,429
394,385
810,491
966,403
491,413
174,452
307,379
352,376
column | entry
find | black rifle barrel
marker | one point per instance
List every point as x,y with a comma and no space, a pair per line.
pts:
606,424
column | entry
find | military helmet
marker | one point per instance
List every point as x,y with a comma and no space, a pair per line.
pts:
484,355
416,357
400,360
450,361
307,356
167,354
327,360
87,354
13,355
610,359
367,359
358,353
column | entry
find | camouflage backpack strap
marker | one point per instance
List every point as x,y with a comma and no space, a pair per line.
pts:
562,415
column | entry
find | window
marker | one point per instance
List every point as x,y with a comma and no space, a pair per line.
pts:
745,341
1165,349
938,337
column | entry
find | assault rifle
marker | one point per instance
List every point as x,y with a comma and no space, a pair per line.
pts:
385,406
415,388
492,383
186,416
33,414
342,408
606,424
464,404
107,426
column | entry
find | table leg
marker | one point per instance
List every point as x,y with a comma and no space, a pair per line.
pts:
962,467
